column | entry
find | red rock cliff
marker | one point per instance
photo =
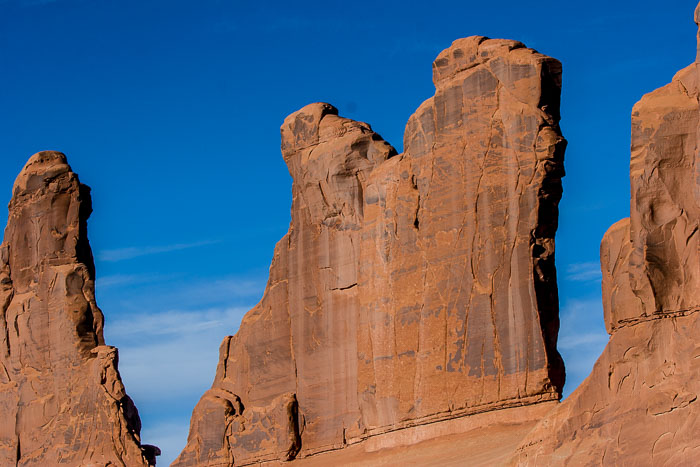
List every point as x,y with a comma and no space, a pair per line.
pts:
61,398
411,287
639,405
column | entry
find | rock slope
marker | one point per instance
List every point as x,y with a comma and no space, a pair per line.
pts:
640,405
61,398
411,288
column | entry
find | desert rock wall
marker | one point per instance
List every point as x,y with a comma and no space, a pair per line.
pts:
459,300
411,287
639,404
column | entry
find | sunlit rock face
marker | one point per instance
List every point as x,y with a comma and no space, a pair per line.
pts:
639,405
61,398
411,288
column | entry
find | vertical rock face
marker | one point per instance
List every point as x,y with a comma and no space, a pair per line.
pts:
61,398
459,308
296,351
650,261
411,287
639,405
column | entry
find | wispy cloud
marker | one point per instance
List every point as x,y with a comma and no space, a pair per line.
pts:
595,339
578,316
167,361
584,272
171,354
121,254
582,338
170,436
175,323
121,280
168,328
181,293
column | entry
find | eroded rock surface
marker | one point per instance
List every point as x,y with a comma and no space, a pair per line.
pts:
61,397
459,307
411,287
639,405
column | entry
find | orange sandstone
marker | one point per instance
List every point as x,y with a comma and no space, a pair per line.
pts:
411,288
61,398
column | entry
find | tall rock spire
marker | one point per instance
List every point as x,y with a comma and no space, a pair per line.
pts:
61,397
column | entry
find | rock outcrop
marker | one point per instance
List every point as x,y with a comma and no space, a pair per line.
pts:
411,288
640,405
61,398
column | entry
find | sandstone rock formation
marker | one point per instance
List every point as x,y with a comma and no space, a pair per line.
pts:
640,404
61,398
411,288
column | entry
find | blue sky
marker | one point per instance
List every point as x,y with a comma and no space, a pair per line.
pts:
170,111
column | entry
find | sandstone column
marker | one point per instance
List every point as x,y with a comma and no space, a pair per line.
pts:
61,398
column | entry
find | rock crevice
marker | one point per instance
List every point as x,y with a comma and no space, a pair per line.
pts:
649,373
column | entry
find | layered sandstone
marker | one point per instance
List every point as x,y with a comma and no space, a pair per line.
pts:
640,404
61,398
411,288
